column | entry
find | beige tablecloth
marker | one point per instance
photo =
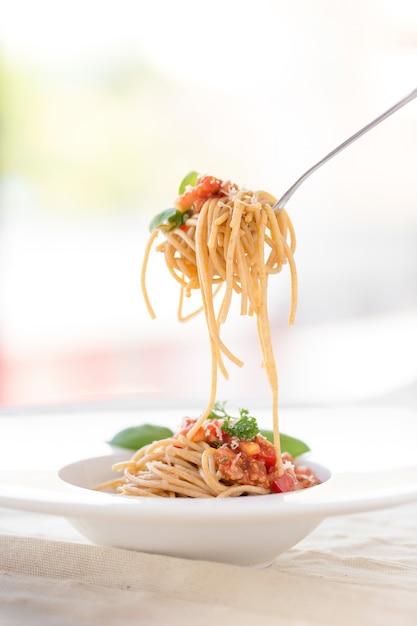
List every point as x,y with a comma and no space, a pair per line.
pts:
357,569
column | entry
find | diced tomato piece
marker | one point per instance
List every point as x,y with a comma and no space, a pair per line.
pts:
206,187
188,424
213,431
284,483
226,438
268,456
267,453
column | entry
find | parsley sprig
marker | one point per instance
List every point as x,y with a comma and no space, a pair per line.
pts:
244,427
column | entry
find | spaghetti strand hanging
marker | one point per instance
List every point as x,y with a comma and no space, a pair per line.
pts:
220,237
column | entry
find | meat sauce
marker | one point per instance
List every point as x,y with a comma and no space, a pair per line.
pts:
251,461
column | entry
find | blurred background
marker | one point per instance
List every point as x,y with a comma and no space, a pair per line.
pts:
105,106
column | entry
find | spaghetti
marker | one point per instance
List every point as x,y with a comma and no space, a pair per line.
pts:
214,464
222,237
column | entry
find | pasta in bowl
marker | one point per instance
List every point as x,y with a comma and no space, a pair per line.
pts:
226,457
246,531
179,492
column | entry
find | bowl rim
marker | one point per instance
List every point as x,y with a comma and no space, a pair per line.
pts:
342,493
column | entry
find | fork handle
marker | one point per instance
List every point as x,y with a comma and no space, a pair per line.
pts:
287,195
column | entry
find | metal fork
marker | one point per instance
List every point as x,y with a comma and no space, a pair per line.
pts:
287,195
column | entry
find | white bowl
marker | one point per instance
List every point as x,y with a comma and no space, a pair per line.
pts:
249,531
245,531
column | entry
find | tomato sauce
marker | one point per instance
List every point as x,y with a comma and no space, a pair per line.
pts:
251,461
206,187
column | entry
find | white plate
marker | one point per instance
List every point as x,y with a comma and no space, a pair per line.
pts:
370,450
249,531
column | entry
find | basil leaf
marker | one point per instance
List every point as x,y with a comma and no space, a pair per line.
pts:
268,434
162,218
171,218
189,180
136,437
293,446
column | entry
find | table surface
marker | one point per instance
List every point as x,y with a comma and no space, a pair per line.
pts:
359,568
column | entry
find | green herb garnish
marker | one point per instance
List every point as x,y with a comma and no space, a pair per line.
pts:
293,446
169,219
190,180
248,426
244,428
136,437
174,218
218,411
